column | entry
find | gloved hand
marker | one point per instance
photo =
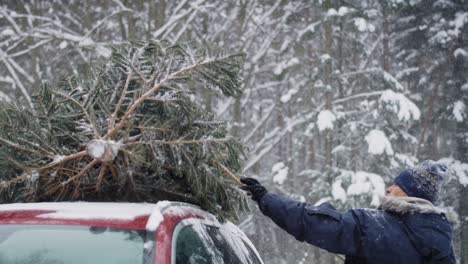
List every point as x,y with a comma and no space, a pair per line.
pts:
254,188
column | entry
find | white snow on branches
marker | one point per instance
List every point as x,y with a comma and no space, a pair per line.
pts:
401,105
458,23
464,87
459,111
460,52
63,44
7,32
367,183
280,67
286,97
338,192
325,120
4,97
279,172
325,57
342,11
458,168
394,81
378,143
362,25
103,51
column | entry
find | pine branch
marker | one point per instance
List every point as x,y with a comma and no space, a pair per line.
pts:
164,129
82,172
121,99
180,142
65,159
19,147
102,171
83,109
153,90
36,146
228,172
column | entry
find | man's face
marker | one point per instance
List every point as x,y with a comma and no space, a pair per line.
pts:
395,190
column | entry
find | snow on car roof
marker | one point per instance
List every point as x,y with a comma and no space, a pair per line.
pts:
85,210
131,213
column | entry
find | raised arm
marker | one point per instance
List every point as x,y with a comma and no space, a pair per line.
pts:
322,226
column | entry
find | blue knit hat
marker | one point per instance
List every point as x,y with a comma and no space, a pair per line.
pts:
424,180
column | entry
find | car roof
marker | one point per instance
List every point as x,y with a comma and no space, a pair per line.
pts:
125,215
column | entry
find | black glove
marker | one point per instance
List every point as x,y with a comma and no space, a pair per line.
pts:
254,188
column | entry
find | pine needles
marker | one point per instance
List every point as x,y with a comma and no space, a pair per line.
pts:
129,131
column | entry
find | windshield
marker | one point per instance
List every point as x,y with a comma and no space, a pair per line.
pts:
61,244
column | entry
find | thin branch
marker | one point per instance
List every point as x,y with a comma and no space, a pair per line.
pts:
180,142
113,171
65,159
12,21
19,69
17,146
18,165
260,123
228,172
121,99
14,181
155,128
32,144
91,122
369,94
46,19
30,48
101,177
99,24
82,172
17,80
153,90
177,16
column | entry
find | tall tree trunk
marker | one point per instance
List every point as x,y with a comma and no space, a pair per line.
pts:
151,13
311,153
123,30
328,88
160,17
385,33
462,155
328,103
237,116
463,213
427,118
131,20
88,19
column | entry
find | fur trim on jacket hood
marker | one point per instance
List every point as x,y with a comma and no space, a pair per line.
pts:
405,204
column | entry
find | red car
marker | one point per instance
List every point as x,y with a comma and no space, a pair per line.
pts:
118,233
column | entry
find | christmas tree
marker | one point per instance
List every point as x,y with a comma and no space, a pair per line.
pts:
129,130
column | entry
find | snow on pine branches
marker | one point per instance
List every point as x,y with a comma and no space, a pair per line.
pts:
127,131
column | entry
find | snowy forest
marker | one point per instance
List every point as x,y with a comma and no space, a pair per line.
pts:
337,97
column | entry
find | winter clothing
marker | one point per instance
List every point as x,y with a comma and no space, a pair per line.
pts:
424,180
407,229
254,188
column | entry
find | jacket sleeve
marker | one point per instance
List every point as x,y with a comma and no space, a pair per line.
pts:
441,258
449,259
322,226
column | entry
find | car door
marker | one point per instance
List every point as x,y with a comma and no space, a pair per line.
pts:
204,242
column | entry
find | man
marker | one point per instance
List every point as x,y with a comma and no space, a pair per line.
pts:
407,228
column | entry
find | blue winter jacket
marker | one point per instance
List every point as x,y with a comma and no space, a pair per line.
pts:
365,235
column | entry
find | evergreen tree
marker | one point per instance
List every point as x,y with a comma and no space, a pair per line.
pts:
129,130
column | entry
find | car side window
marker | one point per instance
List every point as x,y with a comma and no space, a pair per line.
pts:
206,244
190,248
